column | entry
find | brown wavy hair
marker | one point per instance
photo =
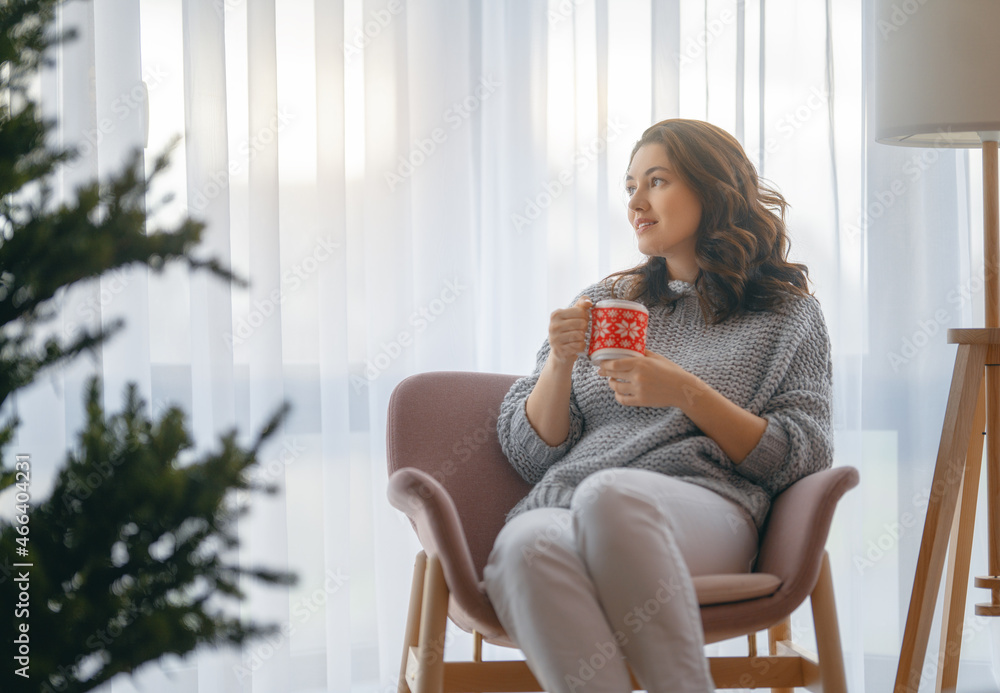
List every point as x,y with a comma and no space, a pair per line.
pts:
741,245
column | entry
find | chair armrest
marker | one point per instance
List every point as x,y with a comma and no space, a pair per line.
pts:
435,518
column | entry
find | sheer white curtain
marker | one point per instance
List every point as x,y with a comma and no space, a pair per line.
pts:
415,185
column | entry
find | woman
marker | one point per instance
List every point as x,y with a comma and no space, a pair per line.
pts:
649,470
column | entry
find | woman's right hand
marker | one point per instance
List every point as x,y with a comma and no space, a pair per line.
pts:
568,332
547,407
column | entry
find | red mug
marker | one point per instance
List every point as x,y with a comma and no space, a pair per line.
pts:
617,329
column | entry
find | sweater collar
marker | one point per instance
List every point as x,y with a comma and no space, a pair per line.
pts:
680,286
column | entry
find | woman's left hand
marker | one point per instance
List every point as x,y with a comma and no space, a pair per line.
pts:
650,380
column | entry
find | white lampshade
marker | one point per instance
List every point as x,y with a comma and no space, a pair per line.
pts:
937,72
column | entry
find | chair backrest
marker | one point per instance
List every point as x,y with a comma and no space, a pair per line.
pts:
445,423
808,503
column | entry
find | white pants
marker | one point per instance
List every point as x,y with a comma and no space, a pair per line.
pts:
581,589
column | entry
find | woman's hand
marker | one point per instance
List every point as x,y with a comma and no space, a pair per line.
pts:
568,332
651,380
547,407
656,381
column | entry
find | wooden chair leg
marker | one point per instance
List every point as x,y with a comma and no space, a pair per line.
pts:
824,609
777,633
433,622
410,635
477,646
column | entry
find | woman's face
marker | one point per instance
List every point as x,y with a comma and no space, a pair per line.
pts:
664,211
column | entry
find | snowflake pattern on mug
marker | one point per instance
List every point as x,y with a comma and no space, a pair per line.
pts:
619,328
602,330
628,329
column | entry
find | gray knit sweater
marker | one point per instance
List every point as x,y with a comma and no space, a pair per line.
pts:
775,364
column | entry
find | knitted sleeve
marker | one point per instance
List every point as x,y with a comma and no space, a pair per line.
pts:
527,452
798,439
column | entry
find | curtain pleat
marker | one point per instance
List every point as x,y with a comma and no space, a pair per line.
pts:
333,360
206,135
120,111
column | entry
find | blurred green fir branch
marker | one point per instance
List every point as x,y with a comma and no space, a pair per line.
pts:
128,553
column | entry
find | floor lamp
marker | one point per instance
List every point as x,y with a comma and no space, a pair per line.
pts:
937,84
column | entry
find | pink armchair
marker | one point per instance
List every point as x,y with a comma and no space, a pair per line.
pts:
448,474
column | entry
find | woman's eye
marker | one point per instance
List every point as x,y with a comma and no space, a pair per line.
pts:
657,181
630,191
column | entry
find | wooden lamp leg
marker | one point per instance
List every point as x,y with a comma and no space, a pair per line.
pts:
970,363
977,347
959,554
991,235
